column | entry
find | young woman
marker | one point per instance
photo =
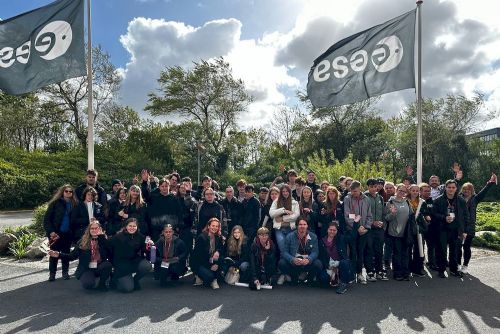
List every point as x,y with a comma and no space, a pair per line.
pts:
57,225
266,220
93,256
171,256
333,256
332,211
284,211
237,254
87,209
262,260
308,207
400,232
208,255
135,207
116,207
188,205
472,200
129,247
419,208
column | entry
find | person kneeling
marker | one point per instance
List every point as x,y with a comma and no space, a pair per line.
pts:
207,255
301,253
237,259
171,255
93,254
262,260
129,248
334,258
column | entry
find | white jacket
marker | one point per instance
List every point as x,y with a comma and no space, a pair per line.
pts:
274,212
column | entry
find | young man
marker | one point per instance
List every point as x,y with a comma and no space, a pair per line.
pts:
358,217
263,191
347,187
301,253
377,231
450,212
232,208
311,181
91,181
291,176
432,234
300,183
241,190
250,213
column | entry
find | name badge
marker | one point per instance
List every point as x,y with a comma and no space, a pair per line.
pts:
93,265
352,216
165,264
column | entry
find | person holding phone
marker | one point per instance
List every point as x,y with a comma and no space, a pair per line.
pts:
93,254
451,213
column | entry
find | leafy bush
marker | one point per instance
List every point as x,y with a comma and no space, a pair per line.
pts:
488,240
488,216
37,221
19,247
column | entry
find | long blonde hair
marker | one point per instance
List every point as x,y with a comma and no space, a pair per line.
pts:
59,194
233,245
85,240
139,202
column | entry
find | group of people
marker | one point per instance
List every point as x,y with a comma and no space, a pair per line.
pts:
294,231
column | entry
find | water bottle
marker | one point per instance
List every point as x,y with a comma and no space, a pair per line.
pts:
152,254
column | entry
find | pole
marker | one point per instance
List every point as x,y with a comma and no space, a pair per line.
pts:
419,93
199,162
90,128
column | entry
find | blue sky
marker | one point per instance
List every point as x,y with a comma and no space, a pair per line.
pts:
271,44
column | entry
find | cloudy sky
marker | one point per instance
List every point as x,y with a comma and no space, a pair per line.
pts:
271,44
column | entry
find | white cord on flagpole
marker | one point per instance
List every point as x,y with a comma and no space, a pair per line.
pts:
90,133
419,94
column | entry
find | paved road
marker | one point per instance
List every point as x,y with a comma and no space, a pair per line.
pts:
15,218
30,304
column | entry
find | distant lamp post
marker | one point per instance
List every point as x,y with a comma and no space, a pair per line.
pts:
200,148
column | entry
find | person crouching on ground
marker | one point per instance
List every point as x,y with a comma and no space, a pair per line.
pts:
93,255
171,255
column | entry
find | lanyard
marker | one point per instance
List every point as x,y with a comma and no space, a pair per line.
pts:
302,245
165,254
93,250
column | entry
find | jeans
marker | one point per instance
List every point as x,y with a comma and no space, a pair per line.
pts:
207,275
89,277
400,257
127,283
281,234
345,273
313,269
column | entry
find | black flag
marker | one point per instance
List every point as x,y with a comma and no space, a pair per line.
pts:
42,47
373,62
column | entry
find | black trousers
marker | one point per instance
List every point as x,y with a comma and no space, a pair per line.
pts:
400,256
378,235
89,277
63,244
432,242
448,241
467,252
416,261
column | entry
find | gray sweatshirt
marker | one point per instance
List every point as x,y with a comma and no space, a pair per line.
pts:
361,207
397,222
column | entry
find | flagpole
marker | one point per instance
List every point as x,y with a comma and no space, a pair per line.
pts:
419,93
90,128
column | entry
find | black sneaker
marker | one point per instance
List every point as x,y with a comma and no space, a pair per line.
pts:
371,277
382,276
457,274
442,274
406,277
52,277
398,278
65,276
419,273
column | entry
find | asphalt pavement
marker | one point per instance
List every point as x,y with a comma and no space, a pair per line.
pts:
28,303
15,218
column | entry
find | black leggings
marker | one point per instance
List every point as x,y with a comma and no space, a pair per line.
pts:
467,251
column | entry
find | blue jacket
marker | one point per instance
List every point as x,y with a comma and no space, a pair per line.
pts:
292,246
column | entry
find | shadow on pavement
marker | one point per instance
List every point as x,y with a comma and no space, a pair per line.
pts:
43,305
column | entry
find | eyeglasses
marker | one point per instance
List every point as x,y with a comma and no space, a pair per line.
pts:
68,191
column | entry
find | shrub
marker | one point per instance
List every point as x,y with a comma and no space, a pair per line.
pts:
488,240
488,216
19,247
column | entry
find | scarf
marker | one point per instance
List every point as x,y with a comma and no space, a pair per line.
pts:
95,256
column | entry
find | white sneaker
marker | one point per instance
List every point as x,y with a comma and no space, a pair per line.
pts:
214,284
281,280
361,279
197,281
464,270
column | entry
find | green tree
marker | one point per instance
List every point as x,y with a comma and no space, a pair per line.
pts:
208,94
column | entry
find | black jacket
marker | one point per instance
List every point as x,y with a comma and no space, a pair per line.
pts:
256,265
141,214
84,255
243,257
440,211
164,210
188,207
102,198
180,250
206,211
327,218
128,251
470,226
201,253
233,212
250,216
264,212
80,218
54,216
115,222
341,249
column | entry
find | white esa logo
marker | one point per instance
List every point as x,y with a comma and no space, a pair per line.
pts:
386,57
51,42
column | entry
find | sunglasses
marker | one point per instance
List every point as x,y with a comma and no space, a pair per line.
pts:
68,191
